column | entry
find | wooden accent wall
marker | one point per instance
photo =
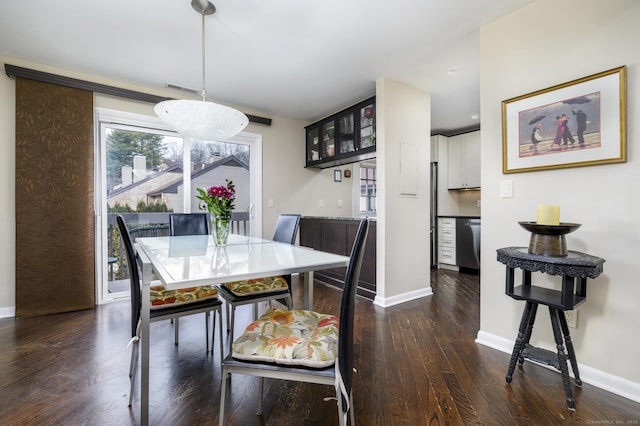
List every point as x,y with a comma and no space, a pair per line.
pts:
55,241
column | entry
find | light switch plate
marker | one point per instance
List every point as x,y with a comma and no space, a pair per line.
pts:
506,189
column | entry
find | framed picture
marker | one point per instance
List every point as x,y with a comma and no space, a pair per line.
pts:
579,123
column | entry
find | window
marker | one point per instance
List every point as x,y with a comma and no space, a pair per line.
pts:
146,172
368,188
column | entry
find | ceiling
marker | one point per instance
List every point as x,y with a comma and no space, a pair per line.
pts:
301,59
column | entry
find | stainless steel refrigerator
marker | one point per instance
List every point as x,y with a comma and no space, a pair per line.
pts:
433,213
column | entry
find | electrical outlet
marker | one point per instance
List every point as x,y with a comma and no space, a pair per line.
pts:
572,318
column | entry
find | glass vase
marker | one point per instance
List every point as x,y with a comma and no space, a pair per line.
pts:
220,227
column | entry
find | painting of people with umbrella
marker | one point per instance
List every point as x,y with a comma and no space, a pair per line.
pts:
550,128
564,124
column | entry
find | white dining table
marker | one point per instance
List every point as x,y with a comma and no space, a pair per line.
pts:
187,261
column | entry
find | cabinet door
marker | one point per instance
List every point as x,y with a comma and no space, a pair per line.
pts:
313,144
464,161
346,133
472,159
328,139
455,166
367,126
434,149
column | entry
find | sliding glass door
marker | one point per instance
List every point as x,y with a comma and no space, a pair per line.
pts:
147,172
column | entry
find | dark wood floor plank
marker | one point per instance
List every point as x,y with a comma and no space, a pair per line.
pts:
417,364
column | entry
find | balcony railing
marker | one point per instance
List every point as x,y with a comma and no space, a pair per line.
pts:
139,224
145,225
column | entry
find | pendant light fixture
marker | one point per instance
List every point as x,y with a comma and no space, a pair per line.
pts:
202,119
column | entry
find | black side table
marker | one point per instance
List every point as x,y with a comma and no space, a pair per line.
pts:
575,266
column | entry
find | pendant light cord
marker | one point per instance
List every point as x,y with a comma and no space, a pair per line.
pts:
204,93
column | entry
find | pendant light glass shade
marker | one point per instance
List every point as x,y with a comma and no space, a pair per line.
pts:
202,120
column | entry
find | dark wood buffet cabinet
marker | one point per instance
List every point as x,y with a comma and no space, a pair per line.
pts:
336,235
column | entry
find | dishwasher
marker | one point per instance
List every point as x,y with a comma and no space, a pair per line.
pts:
468,243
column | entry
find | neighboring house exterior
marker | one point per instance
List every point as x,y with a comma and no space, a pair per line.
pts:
139,191
167,186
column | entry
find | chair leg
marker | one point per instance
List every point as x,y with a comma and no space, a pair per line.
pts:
213,329
176,329
221,342
223,393
132,367
206,326
233,318
260,390
255,311
132,370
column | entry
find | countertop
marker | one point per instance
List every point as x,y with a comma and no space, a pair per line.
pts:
371,218
459,216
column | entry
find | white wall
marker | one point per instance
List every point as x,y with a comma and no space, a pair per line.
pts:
7,196
293,188
538,46
403,270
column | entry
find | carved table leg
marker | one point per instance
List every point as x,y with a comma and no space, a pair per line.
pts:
562,357
527,334
570,351
520,340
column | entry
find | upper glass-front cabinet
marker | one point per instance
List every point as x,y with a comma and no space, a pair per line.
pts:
345,137
313,144
346,134
329,139
368,125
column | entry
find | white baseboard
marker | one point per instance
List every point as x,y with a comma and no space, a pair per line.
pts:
8,312
448,267
386,302
614,384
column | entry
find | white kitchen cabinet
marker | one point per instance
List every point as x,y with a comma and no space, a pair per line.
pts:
436,142
463,161
447,242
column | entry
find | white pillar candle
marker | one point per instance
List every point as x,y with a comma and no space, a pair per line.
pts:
548,215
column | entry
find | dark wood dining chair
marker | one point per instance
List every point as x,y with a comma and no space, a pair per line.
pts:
303,346
165,304
265,289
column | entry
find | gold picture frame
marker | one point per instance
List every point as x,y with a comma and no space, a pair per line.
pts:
579,123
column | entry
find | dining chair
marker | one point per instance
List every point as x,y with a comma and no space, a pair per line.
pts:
157,230
188,224
265,289
303,346
181,224
240,223
165,304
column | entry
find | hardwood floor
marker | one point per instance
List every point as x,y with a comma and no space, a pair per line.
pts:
417,364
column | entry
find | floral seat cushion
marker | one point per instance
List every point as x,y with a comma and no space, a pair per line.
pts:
295,337
161,297
257,286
